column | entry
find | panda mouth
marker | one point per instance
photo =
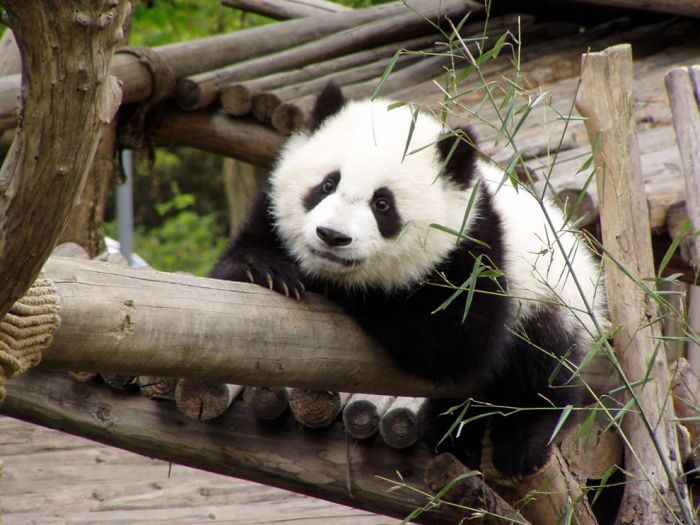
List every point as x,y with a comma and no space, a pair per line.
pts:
334,258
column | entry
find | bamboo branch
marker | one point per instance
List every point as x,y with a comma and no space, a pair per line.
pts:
284,9
654,492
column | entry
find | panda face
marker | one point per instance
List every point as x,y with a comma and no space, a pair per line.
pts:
354,207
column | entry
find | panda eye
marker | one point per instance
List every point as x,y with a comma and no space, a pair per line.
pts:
328,186
382,205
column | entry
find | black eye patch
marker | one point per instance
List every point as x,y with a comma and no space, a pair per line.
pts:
386,214
319,192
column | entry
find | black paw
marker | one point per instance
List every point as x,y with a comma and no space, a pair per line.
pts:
258,267
516,446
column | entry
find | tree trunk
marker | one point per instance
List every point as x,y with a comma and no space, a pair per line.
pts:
655,491
67,100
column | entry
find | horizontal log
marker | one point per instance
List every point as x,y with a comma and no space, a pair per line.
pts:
316,408
411,20
676,7
215,132
144,322
285,9
236,99
266,403
401,426
362,414
282,455
203,400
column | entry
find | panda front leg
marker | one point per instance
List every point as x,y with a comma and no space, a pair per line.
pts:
256,256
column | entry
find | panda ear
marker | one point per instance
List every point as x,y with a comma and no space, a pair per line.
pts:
328,103
458,153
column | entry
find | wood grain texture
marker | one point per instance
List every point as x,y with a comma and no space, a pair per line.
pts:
605,99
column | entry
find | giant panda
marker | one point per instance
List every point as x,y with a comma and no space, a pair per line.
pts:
389,229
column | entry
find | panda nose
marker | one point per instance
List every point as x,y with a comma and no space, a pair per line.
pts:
332,237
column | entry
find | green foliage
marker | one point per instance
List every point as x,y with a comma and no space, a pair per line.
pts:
184,241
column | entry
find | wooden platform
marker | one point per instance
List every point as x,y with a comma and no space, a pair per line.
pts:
52,478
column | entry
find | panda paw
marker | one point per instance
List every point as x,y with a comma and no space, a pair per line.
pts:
263,269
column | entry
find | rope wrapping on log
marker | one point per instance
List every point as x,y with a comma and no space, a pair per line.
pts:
28,329
133,119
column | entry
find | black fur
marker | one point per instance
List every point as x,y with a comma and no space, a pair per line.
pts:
328,103
321,191
478,351
458,151
389,222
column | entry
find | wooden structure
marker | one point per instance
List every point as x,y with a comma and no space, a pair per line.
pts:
224,95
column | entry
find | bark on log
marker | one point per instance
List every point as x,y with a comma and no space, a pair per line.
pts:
686,398
236,444
236,99
316,408
119,381
285,9
655,492
264,104
146,322
676,7
401,426
295,116
202,90
683,86
215,132
470,493
265,402
362,414
72,98
203,400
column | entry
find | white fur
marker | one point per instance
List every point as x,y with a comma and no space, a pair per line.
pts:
365,142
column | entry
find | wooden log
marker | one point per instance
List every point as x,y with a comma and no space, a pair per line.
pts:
119,381
265,402
295,116
400,426
686,398
362,414
243,183
285,9
591,452
264,104
201,90
654,492
203,400
215,132
470,493
683,86
236,98
235,444
692,349
316,408
69,96
676,215
677,7
82,377
579,207
144,322
155,387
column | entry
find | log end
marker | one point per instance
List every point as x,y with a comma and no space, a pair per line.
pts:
237,100
288,118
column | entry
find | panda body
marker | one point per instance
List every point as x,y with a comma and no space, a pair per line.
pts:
354,212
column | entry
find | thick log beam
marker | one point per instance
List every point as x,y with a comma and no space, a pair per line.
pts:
285,9
144,322
282,454
675,7
68,97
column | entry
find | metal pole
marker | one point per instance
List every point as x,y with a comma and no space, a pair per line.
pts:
125,207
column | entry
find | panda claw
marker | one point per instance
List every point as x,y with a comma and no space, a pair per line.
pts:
297,295
285,289
303,288
249,276
270,284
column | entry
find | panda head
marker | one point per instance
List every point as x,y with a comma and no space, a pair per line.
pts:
356,206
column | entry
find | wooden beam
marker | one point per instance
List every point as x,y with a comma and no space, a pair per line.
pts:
282,454
144,322
285,9
655,492
675,7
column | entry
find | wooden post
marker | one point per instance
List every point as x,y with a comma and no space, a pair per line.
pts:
655,492
71,98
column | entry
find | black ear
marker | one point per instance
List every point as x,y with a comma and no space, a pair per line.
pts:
328,103
458,153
